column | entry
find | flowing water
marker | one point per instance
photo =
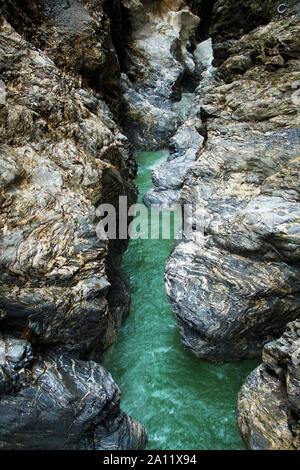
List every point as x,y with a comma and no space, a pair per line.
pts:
184,402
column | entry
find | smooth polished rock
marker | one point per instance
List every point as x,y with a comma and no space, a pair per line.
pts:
60,403
160,34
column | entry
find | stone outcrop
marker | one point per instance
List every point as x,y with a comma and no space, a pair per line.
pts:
62,294
169,176
60,153
188,140
55,402
159,62
269,401
236,285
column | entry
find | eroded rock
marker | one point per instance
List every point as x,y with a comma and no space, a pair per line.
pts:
62,293
160,32
269,401
234,286
59,403
56,155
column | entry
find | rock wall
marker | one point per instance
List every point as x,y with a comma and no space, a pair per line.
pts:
232,127
234,287
57,402
269,401
159,61
62,294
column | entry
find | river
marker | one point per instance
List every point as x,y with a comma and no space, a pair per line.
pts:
185,403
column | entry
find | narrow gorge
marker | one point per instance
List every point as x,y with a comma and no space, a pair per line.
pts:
171,105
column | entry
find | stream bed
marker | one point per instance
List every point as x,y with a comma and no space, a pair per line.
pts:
185,403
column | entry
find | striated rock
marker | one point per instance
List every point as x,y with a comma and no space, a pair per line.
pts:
269,401
232,21
186,144
165,198
234,287
62,293
159,88
15,354
160,33
58,403
60,152
76,35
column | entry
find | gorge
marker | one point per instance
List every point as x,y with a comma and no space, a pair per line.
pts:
99,98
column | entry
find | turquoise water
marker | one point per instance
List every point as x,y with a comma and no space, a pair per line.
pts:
184,402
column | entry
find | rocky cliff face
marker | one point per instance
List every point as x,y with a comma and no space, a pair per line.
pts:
235,288
269,401
62,294
159,61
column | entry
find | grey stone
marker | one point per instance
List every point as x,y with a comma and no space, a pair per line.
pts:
269,400
67,404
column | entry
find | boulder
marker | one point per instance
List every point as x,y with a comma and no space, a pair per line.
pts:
269,401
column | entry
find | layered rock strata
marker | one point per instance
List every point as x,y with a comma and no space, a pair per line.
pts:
269,401
62,294
235,285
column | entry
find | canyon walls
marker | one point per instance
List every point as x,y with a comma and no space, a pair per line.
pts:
159,61
232,126
234,287
62,154
269,401
80,81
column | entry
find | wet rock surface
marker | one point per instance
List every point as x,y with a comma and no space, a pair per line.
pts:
269,401
188,140
186,144
62,293
55,402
